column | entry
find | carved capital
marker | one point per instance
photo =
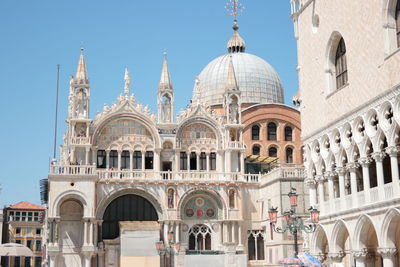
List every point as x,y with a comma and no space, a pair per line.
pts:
336,257
387,252
319,179
341,171
310,182
360,255
365,161
378,156
393,151
329,175
352,166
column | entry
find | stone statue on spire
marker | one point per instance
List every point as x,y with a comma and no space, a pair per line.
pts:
127,87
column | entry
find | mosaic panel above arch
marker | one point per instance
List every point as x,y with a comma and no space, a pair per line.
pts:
201,206
197,134
124,131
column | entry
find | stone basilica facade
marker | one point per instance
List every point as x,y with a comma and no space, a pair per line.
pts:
348,63
203,179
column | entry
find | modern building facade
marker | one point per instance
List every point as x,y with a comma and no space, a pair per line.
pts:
23,224
128,179
348,64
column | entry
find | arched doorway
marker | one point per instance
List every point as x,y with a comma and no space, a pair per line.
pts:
342,244
366,239
320,247
126,208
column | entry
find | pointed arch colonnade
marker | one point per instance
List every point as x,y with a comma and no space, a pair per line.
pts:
353,178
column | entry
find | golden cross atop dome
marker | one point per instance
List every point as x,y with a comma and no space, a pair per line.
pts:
234,8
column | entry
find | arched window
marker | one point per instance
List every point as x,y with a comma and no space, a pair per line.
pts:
148,161
200,237
183,161
232,198
255,132
125,159
256,150
255,244
193,161
137,160
288,133
397,17
273,152
213,161
113,159
171,193
341,65
271,131
289,155
101,159
203,161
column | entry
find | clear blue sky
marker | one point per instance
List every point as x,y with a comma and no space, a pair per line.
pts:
38,35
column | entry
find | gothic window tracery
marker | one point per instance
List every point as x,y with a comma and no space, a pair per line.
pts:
197,134
256,245
200,237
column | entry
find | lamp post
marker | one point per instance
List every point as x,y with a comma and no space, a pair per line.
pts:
294,223
167,252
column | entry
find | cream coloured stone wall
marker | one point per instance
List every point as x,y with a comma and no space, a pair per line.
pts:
372,68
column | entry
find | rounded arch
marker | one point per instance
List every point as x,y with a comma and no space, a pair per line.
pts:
222,205
273,151
390,229
146,194
70,195
200,120
389,19
340,237
149,125
364,233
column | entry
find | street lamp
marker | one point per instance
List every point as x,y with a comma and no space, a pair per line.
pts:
294,223
167,252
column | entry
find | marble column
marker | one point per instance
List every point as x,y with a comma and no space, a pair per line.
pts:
352,167
312,185
87,156
177,160
321,190
107,159
85,232
331,192
228,168
156,160
242,166
52,260
233,238
341,173
208,162
393,152
131,160
388,256
143,161
197,161
188,161
365,161
88,260
378,157
361,258
119,159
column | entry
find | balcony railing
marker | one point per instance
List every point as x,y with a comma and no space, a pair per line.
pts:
150,175
236,145
285,172
80,140
360,199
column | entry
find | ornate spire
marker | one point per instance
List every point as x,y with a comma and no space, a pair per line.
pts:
236,44
81,73
231,84
165,80
127,79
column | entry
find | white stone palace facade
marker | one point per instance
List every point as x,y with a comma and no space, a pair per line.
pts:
349,78
127,178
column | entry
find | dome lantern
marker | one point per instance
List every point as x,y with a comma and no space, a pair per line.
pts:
236,44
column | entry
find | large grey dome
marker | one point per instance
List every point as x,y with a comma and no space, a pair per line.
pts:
258,82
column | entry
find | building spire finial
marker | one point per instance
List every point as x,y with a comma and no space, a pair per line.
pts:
236,44
231,83
127,79
81,72
165,79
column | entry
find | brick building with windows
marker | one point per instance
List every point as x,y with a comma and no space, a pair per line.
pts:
23,224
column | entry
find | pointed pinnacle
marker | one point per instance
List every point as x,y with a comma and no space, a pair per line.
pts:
165,79
231,83
81,73
127,83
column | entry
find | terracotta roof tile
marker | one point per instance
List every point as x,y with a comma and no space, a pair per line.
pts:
24,205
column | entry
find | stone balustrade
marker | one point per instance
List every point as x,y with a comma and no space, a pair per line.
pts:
80,140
